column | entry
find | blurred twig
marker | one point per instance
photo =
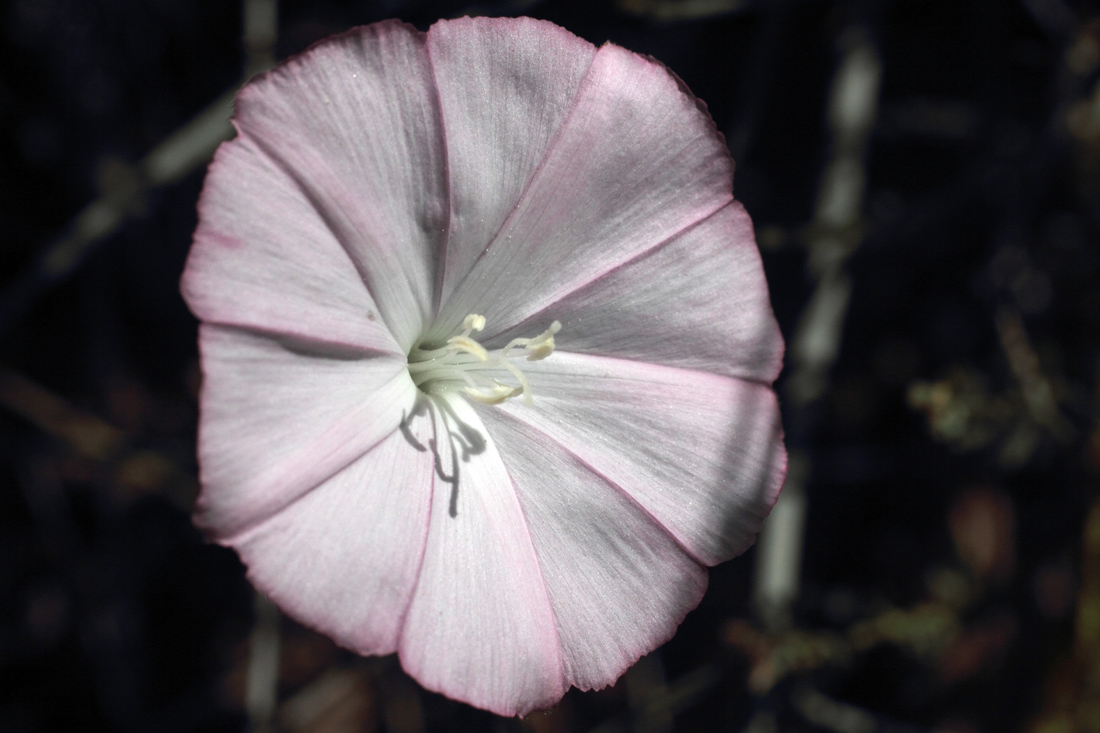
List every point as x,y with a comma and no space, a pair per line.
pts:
1037,391
663,705
759,74
122,194
89,436
261,685
1073,685
121,197
93,439
816,342
673,10
261,31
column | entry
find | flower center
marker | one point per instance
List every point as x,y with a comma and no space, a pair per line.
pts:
462,364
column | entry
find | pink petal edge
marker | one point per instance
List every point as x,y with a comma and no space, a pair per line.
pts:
634,163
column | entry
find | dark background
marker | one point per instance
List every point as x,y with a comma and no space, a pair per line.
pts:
951,577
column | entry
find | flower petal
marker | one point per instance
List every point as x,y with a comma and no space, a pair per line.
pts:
283,274
636,162
277,421
344,558
618,582
699,302
702,453
505,86
355,122
480,627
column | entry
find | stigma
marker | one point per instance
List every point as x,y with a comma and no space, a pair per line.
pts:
463,365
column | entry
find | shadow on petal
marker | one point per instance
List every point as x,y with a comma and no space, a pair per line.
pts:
323,349
462,441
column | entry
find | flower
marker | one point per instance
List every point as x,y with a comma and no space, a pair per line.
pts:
394,469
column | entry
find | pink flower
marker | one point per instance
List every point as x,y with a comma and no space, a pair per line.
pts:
390,192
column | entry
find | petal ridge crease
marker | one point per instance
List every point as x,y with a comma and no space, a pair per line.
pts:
605,478
547,153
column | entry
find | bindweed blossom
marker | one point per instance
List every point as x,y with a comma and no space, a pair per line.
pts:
487,353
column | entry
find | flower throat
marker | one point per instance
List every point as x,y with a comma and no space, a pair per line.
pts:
461,364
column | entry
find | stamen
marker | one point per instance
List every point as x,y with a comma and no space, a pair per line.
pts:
466,344
461,364
543,345
492,396
472,322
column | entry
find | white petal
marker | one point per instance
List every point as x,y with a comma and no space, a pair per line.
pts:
355,122
618,581
264,258
635,163
480,627
702,453
699,302
505,85
344,558
277,421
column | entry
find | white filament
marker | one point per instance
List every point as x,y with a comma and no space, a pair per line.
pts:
461,364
